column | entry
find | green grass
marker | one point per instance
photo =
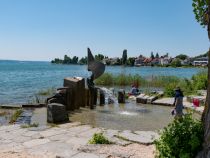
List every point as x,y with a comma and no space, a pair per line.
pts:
168,83
108,79
16,115
99,138
46,92
53,125
30,125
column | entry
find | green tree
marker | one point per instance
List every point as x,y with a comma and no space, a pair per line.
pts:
157,55
124,57
152,55
67,60
99,57
176,63
201,9
74,60
57,61
83,60
181,56
131,61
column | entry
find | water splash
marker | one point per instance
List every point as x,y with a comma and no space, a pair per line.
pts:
109,95
127,113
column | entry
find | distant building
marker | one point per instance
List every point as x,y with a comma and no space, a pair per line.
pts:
147,61
139,61
155,61
203,61
165,60
185,62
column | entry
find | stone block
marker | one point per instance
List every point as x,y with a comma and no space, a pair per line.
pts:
76,93
142,100
56,113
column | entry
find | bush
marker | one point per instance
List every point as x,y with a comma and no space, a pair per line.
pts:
180,139
169,90
200,80
106,79
99,138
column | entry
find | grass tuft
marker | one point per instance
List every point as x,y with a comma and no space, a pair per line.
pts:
30,125
16,115
99,138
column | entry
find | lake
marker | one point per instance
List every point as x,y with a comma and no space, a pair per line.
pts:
21,80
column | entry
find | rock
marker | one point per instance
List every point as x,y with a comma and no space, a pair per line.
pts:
142,99
56,113
121,96
151,99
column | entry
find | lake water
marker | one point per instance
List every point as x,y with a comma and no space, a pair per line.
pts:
20,81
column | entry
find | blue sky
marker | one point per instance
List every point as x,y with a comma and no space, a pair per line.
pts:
45,29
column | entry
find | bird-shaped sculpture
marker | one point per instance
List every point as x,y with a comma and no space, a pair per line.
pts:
96,67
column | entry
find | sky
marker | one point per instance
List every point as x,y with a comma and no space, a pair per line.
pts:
46,29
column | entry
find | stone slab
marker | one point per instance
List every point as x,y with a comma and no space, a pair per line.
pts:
53,149
142,137
86,155
35,142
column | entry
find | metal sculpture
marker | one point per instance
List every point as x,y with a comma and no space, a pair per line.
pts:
96,67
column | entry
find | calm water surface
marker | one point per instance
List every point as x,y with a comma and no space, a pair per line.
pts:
129,116
20,81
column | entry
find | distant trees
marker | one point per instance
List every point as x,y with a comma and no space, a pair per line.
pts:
99,57
181,56
66,60
83,60
131,61
74,60
152,55
176,63
124,57
57,61
157,55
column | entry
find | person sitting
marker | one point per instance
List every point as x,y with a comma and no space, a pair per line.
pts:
134,90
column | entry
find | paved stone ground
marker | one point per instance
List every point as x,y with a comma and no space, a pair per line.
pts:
169,102
71,140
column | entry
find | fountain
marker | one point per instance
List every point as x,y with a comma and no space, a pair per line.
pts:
113,112
74,94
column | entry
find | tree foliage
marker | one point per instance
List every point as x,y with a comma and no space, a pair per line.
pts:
176,63
124,57
152,55
66,60
131,61
83,60
182,56
99,57
200,9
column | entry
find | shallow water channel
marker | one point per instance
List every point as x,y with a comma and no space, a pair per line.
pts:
128,116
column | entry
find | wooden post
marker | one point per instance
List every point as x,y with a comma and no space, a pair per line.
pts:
121,96
102,97
95,96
